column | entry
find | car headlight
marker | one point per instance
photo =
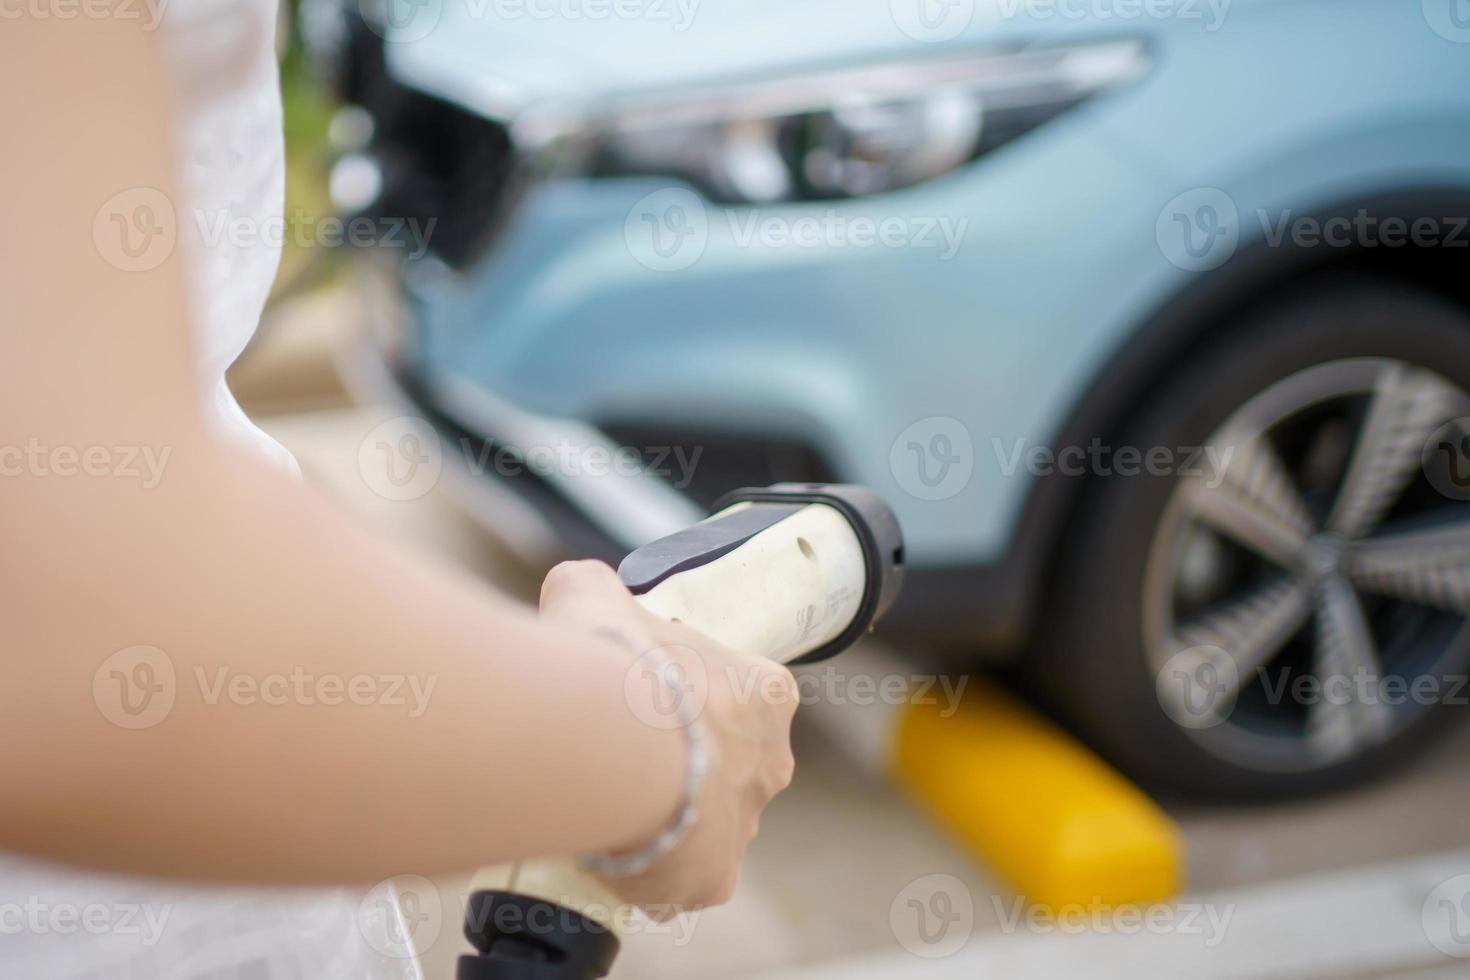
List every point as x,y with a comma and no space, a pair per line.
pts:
843,133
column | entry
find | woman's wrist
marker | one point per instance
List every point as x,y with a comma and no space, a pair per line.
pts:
671,708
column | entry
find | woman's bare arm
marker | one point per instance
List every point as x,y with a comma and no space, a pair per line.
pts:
224,565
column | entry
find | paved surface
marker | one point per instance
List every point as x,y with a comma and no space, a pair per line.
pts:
836,864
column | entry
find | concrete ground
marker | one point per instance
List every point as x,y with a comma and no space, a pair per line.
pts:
1329,887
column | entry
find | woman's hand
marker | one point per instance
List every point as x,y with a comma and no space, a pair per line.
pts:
745,703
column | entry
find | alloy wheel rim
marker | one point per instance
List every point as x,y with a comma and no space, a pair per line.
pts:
1336,596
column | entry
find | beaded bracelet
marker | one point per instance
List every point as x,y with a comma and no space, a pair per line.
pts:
696,767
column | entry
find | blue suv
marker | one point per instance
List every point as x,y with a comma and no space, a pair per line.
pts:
1151,318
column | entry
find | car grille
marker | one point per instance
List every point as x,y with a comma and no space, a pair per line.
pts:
440,163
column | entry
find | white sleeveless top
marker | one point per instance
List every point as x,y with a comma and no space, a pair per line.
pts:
59,923
232,178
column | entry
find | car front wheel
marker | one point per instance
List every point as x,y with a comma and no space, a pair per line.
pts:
1282,607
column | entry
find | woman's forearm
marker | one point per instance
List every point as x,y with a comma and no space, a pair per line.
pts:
267,605
341,709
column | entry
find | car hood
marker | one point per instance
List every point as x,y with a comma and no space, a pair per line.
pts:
499,57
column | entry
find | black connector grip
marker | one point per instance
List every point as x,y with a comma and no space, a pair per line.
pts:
524,938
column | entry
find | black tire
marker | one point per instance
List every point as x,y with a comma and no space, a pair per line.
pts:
1091,665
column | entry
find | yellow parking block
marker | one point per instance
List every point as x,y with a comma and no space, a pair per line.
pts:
1062,825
